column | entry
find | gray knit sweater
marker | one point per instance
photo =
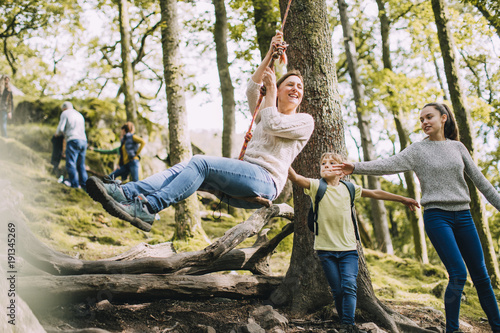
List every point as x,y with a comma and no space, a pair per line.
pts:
440,167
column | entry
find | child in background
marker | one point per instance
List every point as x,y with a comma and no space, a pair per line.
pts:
129,150
336,240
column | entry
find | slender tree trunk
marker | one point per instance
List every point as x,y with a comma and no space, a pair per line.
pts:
265,23
438,72
466,133
490,16
379,213
415,217
226,85
187,215
127,69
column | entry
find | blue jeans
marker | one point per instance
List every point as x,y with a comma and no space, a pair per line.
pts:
123,171
341,270
3,119
455,239
75,162
233,177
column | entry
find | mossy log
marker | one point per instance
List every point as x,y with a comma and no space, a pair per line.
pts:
48,290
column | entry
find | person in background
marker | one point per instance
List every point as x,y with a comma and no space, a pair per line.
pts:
441,162
6,104
335,242
129,151
72,126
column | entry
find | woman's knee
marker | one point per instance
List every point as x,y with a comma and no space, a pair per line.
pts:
458,278
200,163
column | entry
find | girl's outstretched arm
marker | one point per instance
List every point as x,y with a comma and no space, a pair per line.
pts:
383,195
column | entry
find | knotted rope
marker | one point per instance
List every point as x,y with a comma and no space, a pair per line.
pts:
278,53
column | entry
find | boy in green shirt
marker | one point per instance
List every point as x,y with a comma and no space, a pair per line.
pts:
336,241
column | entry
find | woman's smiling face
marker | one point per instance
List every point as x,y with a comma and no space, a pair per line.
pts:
432,121
291,91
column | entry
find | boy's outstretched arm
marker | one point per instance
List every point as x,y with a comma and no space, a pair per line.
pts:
299,180
383,195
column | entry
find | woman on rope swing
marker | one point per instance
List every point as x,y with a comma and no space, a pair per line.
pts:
279,136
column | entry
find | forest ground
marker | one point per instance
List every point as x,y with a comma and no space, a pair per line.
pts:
221,314
70,222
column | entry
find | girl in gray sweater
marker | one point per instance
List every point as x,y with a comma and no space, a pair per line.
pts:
440,162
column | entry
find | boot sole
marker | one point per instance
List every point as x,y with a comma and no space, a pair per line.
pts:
98,193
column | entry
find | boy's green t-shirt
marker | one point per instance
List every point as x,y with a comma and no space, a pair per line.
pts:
335,227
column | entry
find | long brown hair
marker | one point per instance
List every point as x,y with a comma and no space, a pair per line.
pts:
450,126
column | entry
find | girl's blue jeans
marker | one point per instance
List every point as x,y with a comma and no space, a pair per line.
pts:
131,168
233,177
75,162
455,239
341,270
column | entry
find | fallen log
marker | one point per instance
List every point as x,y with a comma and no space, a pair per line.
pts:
54,262
46,290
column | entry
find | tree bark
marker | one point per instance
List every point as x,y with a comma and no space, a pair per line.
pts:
307,31
127,69
226,85
415,217
463,118
379,213
187,214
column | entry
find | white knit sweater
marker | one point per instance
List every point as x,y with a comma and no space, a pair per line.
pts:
277,138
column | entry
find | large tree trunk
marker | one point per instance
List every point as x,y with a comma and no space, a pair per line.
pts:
127,69
307,31
379,213
187,215
462,115
415,217
226,85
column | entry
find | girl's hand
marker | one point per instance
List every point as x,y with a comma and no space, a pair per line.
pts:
410,203
345,168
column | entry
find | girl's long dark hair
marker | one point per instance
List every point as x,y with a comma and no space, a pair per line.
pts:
450,126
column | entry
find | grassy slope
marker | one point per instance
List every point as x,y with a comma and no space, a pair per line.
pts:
70,222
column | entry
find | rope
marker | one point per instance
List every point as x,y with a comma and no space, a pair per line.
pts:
279,52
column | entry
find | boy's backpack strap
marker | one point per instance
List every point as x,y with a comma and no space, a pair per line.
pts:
319,195
352,194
